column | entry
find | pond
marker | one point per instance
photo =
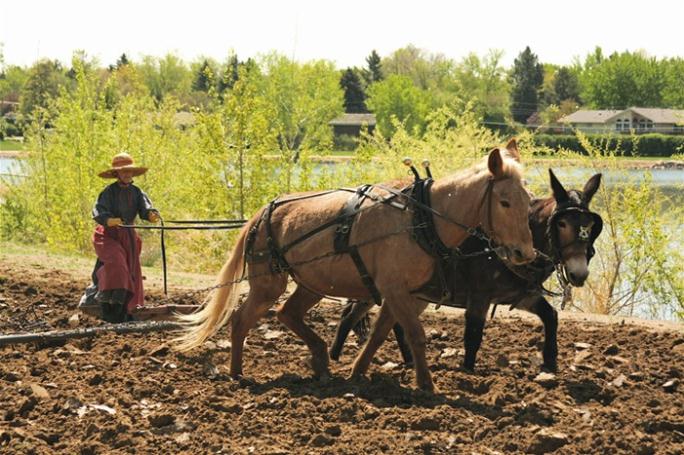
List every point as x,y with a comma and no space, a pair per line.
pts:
8,165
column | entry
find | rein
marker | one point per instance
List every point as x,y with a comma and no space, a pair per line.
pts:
193,225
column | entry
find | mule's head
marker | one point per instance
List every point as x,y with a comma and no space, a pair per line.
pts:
573,228
506,211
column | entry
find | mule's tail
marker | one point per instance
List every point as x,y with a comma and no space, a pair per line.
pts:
217,311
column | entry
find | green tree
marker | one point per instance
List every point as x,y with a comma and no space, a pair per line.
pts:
566,86
373,71
527,77
204,77
622,80
230,74
166,76
398,98
124,80
673,89
354,95
45,78
427,71
122,61
304,97
12,80
482,82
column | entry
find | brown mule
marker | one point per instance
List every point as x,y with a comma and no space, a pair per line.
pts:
489,195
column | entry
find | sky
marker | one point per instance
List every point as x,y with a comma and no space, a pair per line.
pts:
344,31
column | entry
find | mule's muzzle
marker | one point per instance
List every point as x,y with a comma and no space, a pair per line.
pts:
576,270
577,279
515,254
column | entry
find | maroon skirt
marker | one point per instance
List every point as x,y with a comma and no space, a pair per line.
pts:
119,251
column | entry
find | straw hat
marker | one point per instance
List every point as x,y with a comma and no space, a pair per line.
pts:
121,162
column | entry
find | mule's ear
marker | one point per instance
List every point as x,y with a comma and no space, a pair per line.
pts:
495,163
591,187
512,148
559,193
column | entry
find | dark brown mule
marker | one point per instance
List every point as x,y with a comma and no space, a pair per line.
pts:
490,195
563,229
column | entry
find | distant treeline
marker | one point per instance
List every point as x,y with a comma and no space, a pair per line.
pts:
408,84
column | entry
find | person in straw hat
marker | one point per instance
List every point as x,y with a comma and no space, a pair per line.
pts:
117,273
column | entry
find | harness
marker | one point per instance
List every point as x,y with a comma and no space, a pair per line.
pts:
342,234
275,253
416,196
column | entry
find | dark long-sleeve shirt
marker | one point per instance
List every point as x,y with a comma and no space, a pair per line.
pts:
124,202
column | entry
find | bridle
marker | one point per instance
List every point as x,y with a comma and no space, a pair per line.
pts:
581,238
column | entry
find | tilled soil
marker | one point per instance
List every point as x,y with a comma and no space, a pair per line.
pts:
618,389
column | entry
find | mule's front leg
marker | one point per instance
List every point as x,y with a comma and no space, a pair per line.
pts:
403,345
549,317
475,316
537,304
351,315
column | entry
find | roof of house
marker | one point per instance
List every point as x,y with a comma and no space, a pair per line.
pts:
660,115
656,115
583,116
353,120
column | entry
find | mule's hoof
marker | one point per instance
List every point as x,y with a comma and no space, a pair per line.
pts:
324,378
356,376
550,367
244,381
468,369
428,388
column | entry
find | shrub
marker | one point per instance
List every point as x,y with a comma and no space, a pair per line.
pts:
633,145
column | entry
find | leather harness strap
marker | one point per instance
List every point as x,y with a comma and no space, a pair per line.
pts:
344,220
343,233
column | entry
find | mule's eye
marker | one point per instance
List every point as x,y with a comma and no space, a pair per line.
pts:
562,224
505,204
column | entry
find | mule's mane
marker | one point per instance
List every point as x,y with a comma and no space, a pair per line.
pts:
541,209
510,167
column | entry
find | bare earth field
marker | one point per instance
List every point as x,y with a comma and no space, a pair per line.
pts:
619,388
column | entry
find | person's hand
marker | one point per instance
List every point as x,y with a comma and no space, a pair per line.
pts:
153,217
114,222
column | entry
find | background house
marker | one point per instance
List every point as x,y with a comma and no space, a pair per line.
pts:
351,124
639,119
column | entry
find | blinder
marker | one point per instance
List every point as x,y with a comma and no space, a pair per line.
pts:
583,236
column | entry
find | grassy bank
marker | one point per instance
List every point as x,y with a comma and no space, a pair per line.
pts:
81,265
11,146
